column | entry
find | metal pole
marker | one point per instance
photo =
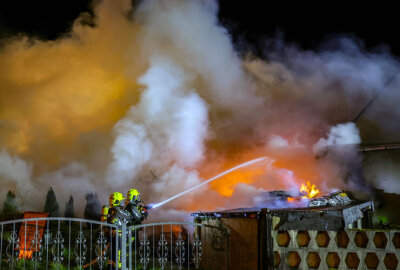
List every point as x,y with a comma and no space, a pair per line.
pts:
80,245
111,248
90,255
69,244
24,257
123,251
58,246
135,246
13,249
145,240
36,247
171,247
117,231
47,244
381,147
153,247
1,245
130,247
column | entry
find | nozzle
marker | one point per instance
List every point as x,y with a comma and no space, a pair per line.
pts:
148,207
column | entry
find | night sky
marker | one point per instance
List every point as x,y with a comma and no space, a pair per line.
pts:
251,25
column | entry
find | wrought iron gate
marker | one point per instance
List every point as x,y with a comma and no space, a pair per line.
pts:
71,243
169,245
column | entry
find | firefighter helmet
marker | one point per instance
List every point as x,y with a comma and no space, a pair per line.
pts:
116,199
133,195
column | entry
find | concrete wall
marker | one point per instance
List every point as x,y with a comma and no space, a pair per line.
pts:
350,249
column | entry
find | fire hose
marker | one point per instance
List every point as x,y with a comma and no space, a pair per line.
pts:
95,260
212,179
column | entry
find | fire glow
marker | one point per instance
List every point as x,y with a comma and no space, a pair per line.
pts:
25,254
309,190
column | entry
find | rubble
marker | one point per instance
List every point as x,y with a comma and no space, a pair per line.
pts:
338,198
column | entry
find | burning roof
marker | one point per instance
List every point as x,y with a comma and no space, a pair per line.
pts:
338,213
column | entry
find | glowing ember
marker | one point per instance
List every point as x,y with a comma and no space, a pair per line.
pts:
308,190
291,199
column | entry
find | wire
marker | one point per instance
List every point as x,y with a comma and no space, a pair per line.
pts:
375,96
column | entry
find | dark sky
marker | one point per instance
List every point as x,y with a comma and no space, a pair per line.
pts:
249,24
45,19
308,26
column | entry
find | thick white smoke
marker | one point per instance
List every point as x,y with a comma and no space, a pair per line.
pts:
16,173
340,151
74,179
164,132
159,100
342,139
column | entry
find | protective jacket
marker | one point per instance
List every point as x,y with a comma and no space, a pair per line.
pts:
137,215
118,216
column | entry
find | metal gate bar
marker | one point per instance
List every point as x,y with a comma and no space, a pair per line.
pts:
64,243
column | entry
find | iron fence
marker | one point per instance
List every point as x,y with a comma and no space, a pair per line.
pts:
169,245
71,243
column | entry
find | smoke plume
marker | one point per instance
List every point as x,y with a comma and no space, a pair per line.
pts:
156,98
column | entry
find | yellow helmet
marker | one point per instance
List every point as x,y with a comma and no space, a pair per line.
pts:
115,199
133,195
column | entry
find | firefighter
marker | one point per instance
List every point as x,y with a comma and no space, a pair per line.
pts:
117,216
116,213
133,206
138,212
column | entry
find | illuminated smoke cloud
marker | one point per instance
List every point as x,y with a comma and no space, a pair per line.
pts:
159,100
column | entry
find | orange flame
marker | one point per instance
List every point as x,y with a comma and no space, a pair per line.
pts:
310,190
25,254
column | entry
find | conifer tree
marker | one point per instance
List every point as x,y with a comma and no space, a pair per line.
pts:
10,207
93,206
69,208
51,205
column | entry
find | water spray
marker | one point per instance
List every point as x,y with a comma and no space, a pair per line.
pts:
209,180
